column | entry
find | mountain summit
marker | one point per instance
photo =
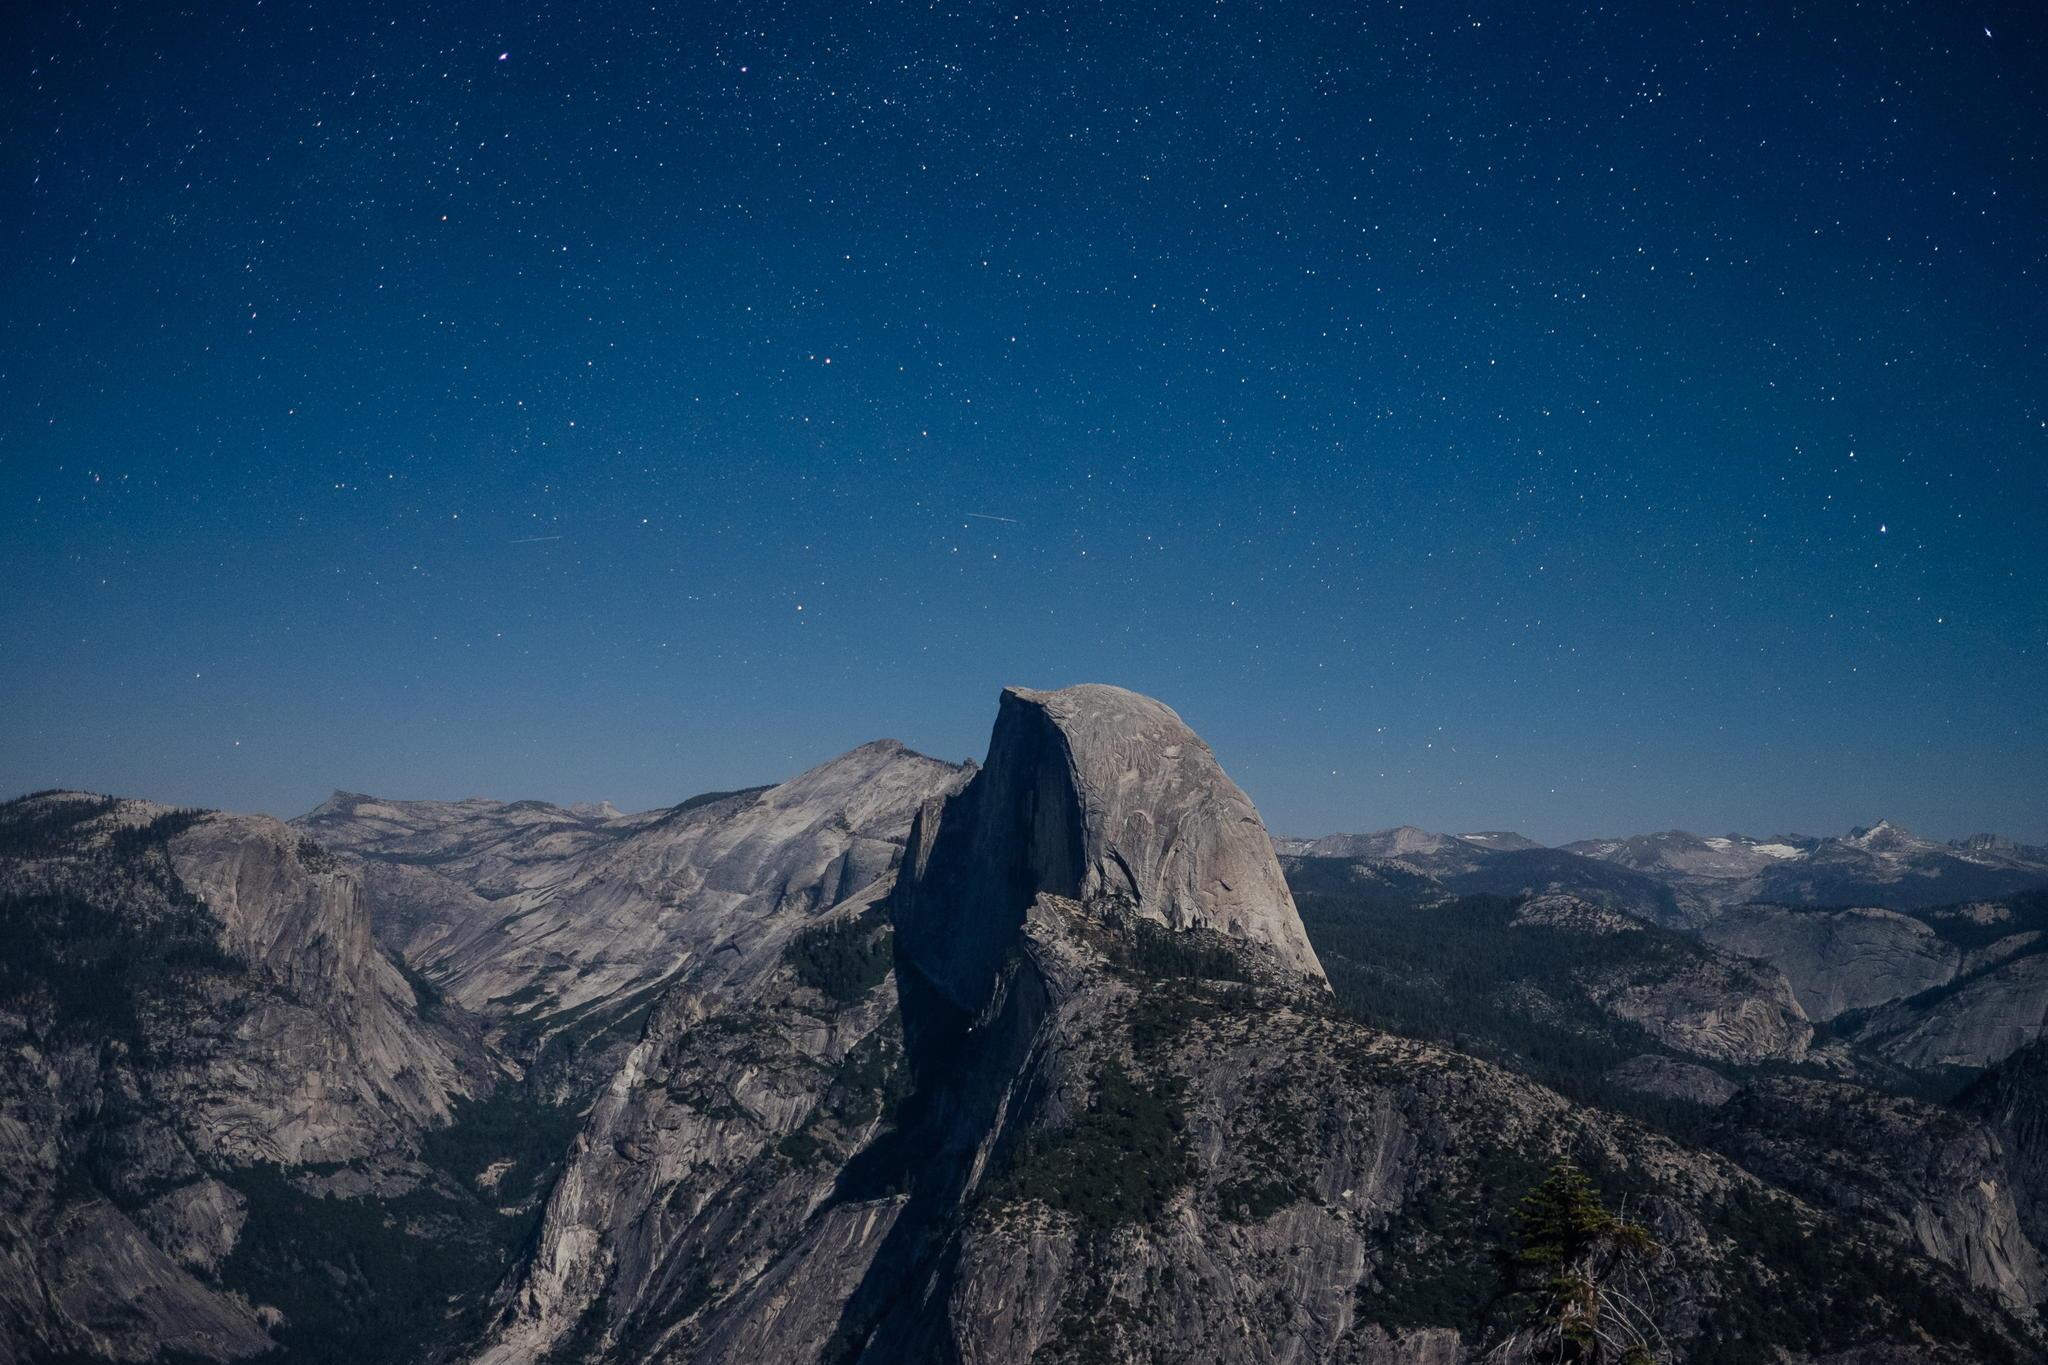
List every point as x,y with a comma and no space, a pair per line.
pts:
1089,793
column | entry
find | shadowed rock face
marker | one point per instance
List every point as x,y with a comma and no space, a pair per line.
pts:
2012,1100
1090,792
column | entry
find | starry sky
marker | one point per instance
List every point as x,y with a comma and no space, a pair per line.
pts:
1582,420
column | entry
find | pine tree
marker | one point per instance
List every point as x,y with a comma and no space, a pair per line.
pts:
1578,1256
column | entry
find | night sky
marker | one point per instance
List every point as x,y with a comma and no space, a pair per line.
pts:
1579,420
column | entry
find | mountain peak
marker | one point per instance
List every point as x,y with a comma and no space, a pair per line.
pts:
338,803
1500,840
860,776
1090,791
1884,836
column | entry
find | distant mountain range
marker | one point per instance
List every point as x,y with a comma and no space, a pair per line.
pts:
1687,878
1927,956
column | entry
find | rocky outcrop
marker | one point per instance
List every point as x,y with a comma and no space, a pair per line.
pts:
86,1279
285,909
1573,916
1715,1006
334,1063
713,1150
1839,960
1936,1179
1670,1079
1689,998
2011,1099
79,1272
1982,1020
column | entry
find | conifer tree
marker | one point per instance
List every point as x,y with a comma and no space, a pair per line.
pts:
1584,1286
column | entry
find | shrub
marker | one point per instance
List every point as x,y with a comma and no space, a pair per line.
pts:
843,960
1121,1161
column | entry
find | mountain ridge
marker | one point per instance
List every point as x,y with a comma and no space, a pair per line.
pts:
1879,864
1041,1058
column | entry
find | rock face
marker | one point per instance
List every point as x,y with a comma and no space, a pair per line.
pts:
1689,998
185,994
1090,793
1938,1178
335,1062
1719,1007
2011,1100
715,1148
749,905
1930,992
1984,1019
1839,960
438,869
536,912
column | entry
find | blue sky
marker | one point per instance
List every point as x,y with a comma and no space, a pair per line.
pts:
1580,424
